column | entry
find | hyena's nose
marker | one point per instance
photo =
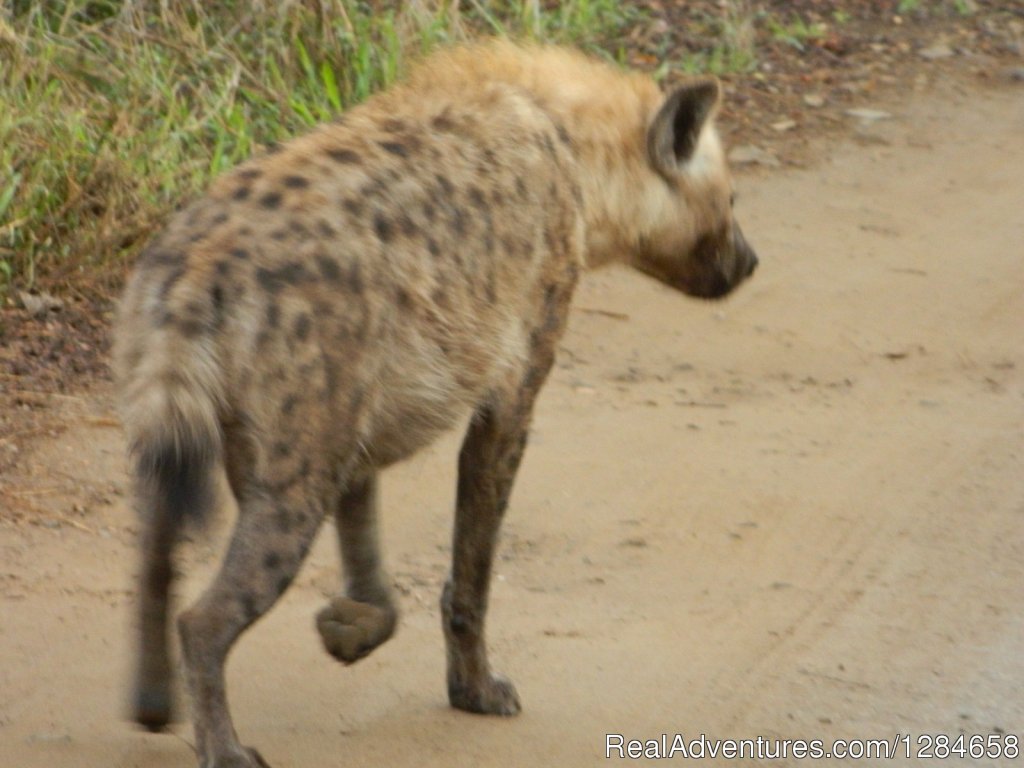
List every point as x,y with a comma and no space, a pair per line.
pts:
743,250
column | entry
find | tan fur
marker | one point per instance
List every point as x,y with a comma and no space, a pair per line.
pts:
329,308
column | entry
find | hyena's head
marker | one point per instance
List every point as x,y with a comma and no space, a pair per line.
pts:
690,239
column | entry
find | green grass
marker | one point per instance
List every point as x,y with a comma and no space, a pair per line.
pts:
114,111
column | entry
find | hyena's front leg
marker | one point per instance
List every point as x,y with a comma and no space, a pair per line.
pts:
354,624
490,456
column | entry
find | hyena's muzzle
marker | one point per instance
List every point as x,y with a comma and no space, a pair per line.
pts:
721,264
711,269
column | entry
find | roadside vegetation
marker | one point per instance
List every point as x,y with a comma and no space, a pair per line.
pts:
112,112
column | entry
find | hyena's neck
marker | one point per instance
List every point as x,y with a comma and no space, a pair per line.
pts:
604,111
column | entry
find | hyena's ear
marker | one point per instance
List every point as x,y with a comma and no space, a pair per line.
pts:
672,135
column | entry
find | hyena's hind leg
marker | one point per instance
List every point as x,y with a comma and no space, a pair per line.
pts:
277,522
354,624
152,705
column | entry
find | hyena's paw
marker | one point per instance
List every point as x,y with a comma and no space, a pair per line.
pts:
495,696
152,707
350,629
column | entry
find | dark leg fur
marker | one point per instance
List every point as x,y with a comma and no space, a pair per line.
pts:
488,461
172,485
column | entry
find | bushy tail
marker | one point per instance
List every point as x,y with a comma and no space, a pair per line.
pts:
172,421
174,468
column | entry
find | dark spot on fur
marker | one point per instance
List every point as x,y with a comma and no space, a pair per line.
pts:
281,450
403,298
476,197
355,278
223,268
406,224
550,292
298,228
296,182
354,207
458,221
383,227
443,122
191,327
393,125
521,186
171,280
220,218
249,605
282,584
273,315
324,228
446,186
271,200
217,294
240,253
563,135
395,148
250,173
328,268
283,520
273,280
373,188
548,145
301,327
433,248
289,403
429,211
343,155
271,561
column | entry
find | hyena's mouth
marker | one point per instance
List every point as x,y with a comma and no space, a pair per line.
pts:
712,284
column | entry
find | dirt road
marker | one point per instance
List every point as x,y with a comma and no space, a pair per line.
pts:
797,514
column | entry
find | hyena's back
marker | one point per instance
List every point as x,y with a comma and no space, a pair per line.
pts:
357,290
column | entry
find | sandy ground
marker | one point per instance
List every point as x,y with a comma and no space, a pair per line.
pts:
797,514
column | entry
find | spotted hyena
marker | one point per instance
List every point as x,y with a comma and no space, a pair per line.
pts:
330,307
